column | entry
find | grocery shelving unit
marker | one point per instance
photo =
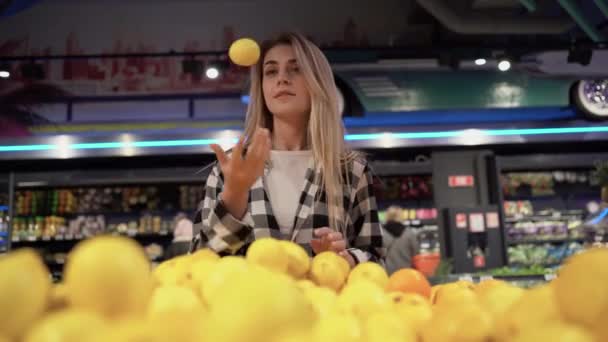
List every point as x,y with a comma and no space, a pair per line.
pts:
546,199
55,210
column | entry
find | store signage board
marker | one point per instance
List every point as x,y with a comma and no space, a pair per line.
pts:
461,221
476,223
492,221
461,181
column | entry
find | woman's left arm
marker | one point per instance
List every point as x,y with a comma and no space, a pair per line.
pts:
366,239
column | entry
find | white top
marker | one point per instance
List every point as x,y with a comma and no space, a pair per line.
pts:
284,183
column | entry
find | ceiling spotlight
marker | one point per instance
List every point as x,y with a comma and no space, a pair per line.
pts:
504,65
480,61
216,68
5,70
212,72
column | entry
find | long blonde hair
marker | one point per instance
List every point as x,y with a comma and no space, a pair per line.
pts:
325,135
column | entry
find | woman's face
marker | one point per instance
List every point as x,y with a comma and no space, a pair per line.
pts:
285,90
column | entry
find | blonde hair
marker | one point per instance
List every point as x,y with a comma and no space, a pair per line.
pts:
393,213
325,136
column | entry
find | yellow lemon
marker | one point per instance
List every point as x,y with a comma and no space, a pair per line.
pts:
581,289
327,269
67,326
499,298
24,288
298,261
322,299
171,300
555,332
459,323
339,327
369,271
257,305
534,308
362,298
455,294
219,274
269,253
244,52
385,326
412,309
110,275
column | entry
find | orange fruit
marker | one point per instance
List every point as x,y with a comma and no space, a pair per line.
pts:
408,280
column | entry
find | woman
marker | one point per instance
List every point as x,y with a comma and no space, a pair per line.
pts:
401,243
291,176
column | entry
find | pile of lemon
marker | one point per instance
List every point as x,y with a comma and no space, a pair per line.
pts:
278,294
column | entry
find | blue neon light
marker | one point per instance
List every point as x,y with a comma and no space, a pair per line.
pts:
168,143
100,145
3,207
348,137
245,99
600,217
19,148
541,131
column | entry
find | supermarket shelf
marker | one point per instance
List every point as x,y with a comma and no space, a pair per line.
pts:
72,239
393,168
539,162
544,241
137,213
76,178
563,217
539,277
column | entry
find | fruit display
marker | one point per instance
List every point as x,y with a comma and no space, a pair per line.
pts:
517,184
84,226
102,200
278,293
407,215
543,255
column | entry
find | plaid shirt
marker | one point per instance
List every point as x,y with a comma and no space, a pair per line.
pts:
218,230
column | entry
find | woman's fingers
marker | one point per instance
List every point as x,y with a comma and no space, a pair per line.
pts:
219,154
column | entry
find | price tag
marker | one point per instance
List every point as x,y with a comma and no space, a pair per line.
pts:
416,222
15,239
406,222
164,232
59,237
131,233
486,277
69,237
466,278
557,215
46,238
31,238
78,236
550,276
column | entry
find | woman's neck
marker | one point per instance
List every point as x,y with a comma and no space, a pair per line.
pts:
289,136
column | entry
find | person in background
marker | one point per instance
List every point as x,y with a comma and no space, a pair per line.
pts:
182,237
401,243
291,176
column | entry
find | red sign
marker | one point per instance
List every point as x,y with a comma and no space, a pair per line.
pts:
461,221
479,261
461,181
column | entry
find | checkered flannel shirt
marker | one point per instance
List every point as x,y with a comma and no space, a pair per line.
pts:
217,229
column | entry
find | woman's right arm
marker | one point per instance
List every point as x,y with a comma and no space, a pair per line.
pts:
216,224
